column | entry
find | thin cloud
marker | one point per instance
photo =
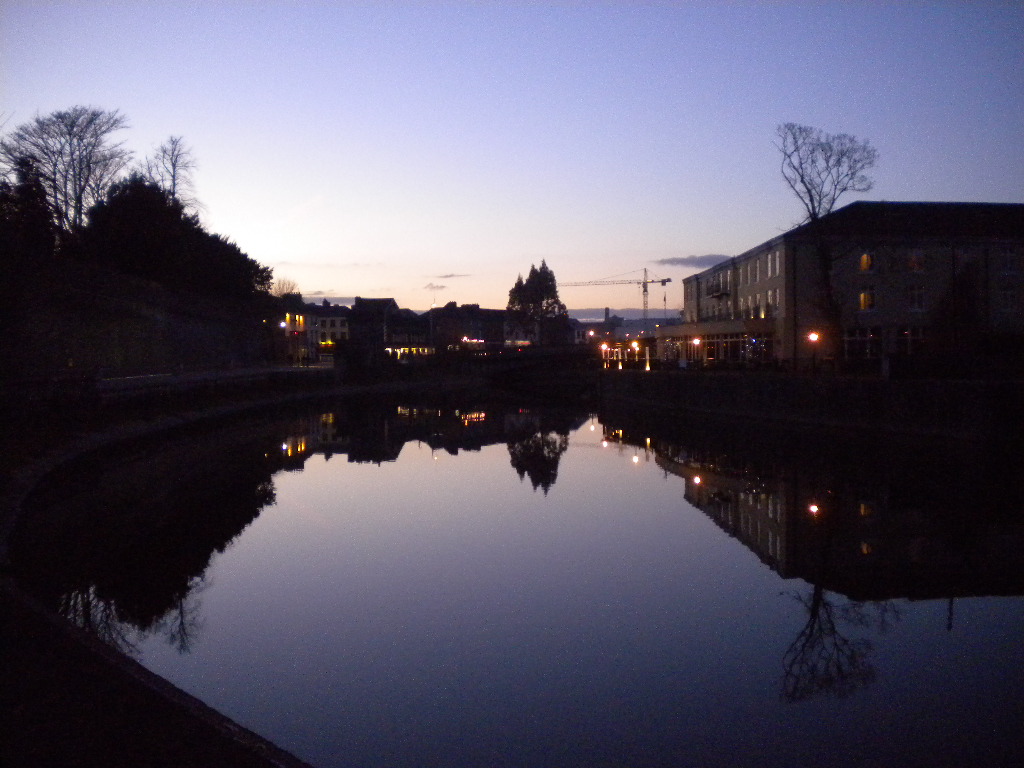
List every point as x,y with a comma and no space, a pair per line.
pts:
697,262
449,277
433,287
331,297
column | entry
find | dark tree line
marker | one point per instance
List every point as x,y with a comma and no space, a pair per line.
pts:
64,195
139,230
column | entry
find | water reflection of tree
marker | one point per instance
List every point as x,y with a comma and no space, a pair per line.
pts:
537,455
825,661
182,624
121,548
98,616
104,617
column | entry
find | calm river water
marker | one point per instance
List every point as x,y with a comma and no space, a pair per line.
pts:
478,585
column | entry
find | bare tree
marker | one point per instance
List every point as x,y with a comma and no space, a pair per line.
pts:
75,155
282,286
170,167
820,167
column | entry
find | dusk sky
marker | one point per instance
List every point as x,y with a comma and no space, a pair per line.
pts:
432,151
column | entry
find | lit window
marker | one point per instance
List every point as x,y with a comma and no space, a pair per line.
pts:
867,262
866,300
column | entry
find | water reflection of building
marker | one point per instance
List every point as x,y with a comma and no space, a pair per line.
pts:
867,534
748,508
376,433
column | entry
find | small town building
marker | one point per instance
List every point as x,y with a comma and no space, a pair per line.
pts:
455,328
869,285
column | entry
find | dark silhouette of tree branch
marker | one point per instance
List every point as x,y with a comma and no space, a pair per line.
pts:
99,616
821,167
821,661
170,167
75,155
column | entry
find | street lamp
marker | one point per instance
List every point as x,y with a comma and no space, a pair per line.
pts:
814,337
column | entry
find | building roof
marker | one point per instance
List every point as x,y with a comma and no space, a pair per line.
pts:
374,307
888,220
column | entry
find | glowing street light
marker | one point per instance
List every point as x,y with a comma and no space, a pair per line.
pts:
814,337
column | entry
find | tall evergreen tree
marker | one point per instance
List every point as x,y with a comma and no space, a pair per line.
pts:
536,297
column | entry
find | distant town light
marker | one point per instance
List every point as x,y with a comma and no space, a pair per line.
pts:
813,336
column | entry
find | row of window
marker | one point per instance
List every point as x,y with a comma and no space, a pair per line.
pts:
914,299
913,262
759,305
866,343
767,305
748,273
1006,260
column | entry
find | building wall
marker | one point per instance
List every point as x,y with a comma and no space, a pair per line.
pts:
889,280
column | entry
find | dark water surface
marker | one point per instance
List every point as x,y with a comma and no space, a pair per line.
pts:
371,585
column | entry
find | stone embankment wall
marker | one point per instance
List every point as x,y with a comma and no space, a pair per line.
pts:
83,323
954,408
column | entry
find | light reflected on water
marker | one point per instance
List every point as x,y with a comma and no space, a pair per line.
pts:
426,585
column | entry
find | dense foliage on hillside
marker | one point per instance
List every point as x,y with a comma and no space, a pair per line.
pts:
106,274
139,230
64,192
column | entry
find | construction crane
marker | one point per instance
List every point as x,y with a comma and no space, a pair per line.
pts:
642,283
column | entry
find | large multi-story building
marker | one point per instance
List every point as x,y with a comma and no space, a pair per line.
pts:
873,281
